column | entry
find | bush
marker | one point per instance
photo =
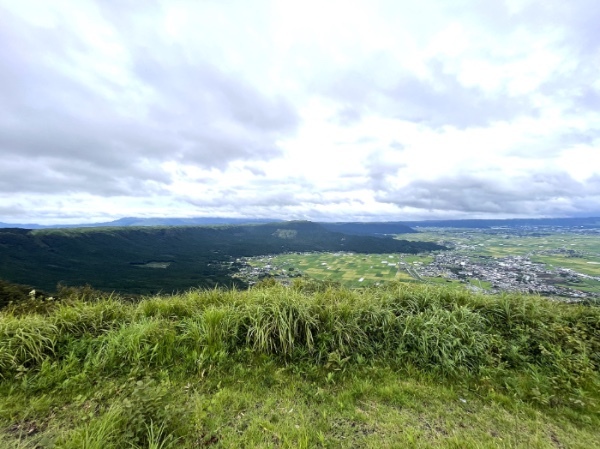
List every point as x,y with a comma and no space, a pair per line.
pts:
22,299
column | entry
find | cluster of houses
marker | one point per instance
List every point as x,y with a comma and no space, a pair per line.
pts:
512,273
516,273
251,274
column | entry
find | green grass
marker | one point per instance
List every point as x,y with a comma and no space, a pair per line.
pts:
311,365
586,285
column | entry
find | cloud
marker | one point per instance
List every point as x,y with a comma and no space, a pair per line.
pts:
536,194
198,91
69,122
437,100
382,166
11,210
348,115
354,109
444,100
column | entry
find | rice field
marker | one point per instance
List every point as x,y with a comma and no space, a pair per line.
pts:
350,269
577,252
551,249
565,249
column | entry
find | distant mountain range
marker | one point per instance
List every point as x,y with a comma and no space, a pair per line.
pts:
156,221
352,228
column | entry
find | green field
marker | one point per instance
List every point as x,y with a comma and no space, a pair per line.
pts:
346,268
588,265
580,253
501,245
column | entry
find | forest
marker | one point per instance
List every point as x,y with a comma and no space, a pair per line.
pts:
147,260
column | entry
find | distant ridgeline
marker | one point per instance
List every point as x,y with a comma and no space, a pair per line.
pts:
156,221
375,229
151,259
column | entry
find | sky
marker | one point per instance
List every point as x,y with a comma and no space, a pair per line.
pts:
322,110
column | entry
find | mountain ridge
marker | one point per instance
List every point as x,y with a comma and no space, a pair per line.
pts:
151,221
349,227
145,260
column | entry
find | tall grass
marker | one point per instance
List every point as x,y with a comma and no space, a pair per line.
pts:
25,343
449,333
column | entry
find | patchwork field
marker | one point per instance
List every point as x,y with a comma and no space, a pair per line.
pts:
350,269
565,249
585,265
557,249
510,244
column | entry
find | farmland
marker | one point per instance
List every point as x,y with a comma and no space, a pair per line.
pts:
550,261
565,257
350,269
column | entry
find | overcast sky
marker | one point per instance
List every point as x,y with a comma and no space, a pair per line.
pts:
323,110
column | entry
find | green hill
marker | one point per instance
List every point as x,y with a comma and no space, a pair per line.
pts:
369,228
152,259
311,365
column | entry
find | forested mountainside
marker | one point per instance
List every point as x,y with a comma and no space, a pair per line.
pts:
153,259
375,229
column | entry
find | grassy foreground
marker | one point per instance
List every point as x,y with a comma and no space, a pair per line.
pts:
311,365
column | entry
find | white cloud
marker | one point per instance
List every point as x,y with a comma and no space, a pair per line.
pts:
337,110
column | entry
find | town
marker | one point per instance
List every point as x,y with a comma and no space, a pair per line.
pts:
524,260
510,274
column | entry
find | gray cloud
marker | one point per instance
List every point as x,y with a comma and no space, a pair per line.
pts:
348,115
204,93
447,102
277,195
574,25
577,21
552,193
441,101
98,135
220,94
12,210
58,175
552,144
380,170
234,200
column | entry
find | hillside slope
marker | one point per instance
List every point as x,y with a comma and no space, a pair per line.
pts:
152,259
374,229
